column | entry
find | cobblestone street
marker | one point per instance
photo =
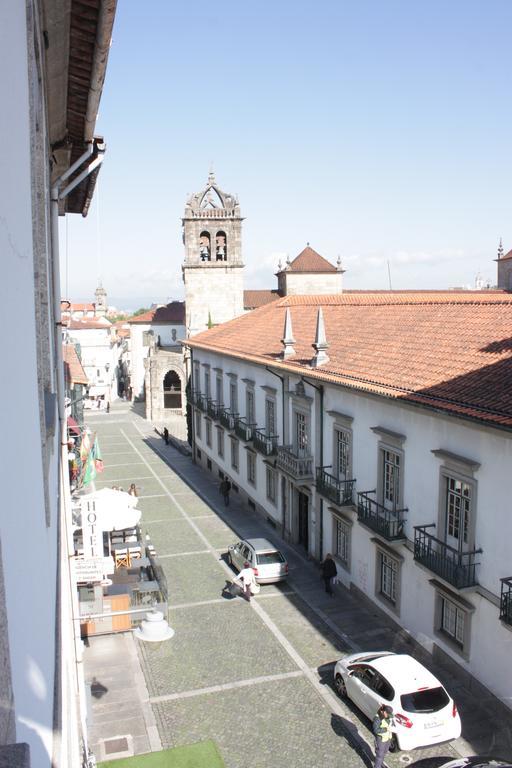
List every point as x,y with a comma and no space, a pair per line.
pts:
255,678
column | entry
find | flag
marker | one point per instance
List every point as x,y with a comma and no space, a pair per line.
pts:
90,470
96,455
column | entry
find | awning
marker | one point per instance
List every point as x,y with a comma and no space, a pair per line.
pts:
73,426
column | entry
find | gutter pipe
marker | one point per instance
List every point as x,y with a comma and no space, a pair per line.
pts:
283,410
320,389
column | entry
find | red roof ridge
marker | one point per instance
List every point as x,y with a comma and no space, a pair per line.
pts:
309,260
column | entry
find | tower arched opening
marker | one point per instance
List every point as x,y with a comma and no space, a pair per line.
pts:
221,246
205,251
172,390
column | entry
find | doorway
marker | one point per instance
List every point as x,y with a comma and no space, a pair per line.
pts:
303,520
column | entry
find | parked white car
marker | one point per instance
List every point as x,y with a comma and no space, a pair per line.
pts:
268,563
423,711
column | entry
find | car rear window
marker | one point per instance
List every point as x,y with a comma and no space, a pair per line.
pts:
431,700
269,558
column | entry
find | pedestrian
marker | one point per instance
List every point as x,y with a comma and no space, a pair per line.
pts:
108,406
247,580
225,488
382,730
329,571
166,435
133,490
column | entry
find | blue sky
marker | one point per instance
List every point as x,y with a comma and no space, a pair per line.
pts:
379,131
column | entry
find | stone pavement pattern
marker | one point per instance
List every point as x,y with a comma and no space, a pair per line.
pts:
257,679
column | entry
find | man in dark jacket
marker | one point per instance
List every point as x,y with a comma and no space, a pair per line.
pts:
329,571
381,727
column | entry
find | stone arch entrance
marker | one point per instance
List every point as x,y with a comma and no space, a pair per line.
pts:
172,390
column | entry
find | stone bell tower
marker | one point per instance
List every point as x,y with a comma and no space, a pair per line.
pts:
213,268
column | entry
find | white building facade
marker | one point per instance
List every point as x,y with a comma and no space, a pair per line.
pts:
405,486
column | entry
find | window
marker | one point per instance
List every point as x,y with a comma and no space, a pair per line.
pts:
341,540
388,577
250,412
301,436
342,454
220,443
234,453
251,467
208,432
197,378
271,485
207,382
218,389
270,416
198,424
233,396
452,621
391,479
458,506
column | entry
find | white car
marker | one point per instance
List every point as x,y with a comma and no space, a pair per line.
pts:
268,563
423,711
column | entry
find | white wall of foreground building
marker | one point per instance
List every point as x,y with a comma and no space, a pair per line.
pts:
461,623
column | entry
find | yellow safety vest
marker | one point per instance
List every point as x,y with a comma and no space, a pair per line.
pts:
387,735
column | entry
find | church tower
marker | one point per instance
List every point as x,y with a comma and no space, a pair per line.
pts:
213,268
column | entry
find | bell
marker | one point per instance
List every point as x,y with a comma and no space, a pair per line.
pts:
154,628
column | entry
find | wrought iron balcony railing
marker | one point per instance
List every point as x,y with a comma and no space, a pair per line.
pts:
265,444
200,401
295,462
243,430
506,601
214,409
340,492
388,522
228,418
457,568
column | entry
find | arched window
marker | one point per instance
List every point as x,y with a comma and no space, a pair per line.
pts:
221,247
204,246
172,390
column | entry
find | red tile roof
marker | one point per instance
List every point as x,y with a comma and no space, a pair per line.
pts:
88,323
506,256
309,260
73,371
170,313
447,350
255,299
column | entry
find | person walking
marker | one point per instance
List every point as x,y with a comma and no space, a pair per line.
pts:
382,730
329,571
225,488
166,435
133,490
247,580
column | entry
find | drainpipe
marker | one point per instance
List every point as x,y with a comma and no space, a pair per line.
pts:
320,389
192,413
281,378
64,531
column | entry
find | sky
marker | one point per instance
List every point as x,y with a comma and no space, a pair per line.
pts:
375,131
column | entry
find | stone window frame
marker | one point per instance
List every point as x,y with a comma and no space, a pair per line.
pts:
208,432
198,424
220,442
233,390
457,468
271,483
301,409
464,607
219,386
342,422
235,453
250,390
269,398
251,462
382,549
207,379
393,442
197,376
337,520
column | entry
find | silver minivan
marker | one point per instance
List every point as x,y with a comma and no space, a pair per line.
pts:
268,563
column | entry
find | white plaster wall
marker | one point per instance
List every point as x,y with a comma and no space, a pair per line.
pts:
304,283
97,351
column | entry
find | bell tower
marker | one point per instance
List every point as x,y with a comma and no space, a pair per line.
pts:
213,267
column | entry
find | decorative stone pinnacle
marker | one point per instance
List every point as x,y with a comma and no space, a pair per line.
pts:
320,345
288,341
211,177
500,250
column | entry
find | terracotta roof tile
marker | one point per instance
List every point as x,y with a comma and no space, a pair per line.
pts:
88,323
255,299
73,371
448,350
169,313
309,260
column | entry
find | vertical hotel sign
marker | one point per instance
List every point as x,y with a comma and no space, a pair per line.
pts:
91,530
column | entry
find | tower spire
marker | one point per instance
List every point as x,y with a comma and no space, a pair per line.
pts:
320,345
288,341
500,249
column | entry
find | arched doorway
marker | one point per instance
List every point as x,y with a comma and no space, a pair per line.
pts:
172,390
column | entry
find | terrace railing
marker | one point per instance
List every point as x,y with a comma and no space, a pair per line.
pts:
455,567
388,522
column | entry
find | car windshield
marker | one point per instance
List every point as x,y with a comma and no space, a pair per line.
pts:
430,700
269,558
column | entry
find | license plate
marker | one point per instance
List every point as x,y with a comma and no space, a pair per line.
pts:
427,726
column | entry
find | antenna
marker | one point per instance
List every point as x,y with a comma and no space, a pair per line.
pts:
389,276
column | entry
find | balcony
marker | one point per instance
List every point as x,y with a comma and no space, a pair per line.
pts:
506,601
228,418
265,444
243,430
340,492
200,401
295,462
214,409
389,523
457,568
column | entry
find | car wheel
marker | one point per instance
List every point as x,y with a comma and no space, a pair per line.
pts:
394,746
341,688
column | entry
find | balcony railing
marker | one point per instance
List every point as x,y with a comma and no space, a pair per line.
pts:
388,522
457,568
200,401
214,409
506,601
295,462
265,444
228,418
338,491
243,430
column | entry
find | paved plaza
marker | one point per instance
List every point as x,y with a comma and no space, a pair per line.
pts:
255,678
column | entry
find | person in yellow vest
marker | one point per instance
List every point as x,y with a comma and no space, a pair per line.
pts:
382,730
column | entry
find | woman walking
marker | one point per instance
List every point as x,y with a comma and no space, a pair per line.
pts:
329,571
